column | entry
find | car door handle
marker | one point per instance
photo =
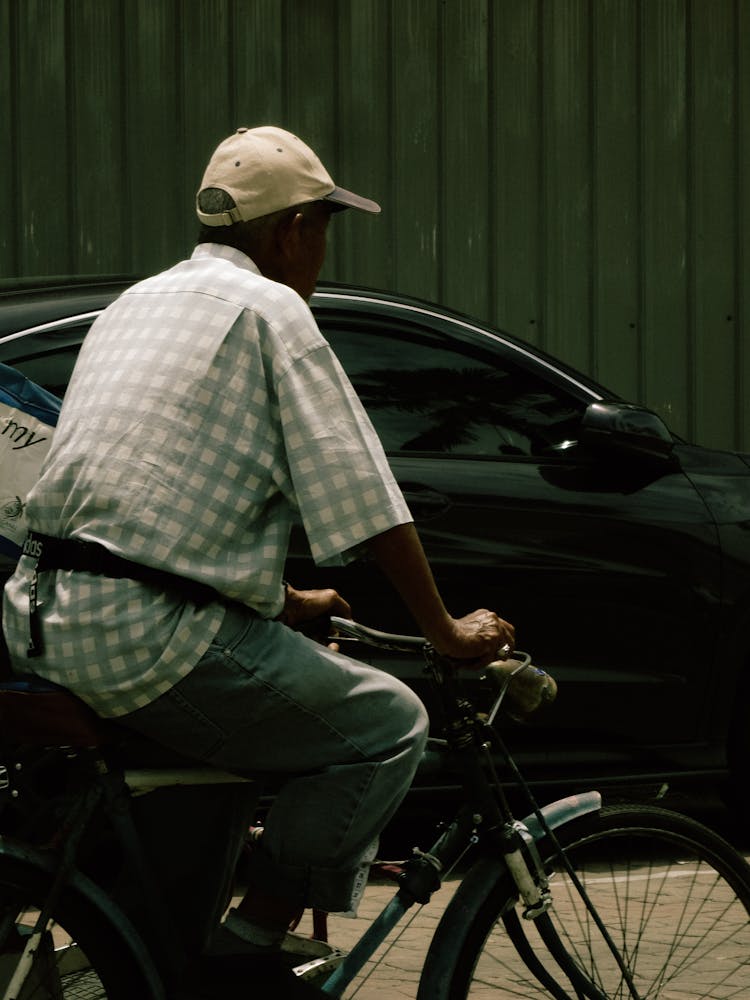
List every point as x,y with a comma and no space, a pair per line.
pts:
423,501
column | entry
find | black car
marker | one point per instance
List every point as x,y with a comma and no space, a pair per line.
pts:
620,553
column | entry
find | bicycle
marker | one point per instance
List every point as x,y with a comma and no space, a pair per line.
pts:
568,903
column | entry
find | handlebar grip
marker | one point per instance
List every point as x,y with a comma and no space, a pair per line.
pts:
528,687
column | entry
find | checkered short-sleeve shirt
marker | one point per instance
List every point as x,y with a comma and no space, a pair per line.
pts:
205,412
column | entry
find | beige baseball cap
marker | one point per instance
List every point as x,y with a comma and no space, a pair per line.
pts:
267,169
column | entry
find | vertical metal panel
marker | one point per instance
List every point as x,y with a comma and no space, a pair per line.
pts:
415,140
574,170
204,95
311,47
664,145
153,126
714,208
258,59
9,217
742,248
364,161
465,149
43,138
96,162
567,180
516,164
615,175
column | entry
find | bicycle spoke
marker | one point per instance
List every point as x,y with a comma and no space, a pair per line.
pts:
695,932
674,898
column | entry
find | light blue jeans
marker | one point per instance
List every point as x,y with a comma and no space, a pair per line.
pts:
346,738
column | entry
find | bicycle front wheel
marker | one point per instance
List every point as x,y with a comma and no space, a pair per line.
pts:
673,896
77,957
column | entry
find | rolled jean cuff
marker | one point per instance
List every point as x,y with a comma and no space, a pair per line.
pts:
326,889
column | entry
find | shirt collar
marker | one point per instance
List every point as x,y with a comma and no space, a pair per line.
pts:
221,252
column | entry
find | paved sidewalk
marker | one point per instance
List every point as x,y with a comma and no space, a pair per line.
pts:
719,946
394,970
393,973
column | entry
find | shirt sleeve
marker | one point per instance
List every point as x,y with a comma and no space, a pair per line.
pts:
342,483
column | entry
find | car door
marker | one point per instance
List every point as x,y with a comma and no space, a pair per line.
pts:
608,569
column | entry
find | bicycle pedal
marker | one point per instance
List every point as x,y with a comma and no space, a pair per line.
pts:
318,969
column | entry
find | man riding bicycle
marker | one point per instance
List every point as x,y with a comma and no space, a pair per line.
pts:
205,412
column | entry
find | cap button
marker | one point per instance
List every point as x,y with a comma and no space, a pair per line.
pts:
243,129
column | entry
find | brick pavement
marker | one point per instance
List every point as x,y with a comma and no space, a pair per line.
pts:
393,973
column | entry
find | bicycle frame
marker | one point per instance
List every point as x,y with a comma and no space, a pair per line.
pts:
486,807
447,852
485,819
65,876
109,791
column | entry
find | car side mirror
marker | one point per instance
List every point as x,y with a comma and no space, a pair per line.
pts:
625,430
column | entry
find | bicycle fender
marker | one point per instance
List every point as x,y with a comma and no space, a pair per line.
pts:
563,811
100,903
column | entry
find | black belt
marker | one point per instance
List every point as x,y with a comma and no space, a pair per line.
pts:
90,557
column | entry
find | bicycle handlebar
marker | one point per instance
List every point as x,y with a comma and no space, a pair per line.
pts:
527,686
374,637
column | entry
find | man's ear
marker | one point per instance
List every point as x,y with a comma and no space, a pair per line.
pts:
288,234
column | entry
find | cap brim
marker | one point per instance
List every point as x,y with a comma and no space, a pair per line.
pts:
347,199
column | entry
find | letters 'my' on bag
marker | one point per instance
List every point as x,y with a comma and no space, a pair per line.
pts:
28,415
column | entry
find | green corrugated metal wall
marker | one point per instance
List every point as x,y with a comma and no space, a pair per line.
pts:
575,171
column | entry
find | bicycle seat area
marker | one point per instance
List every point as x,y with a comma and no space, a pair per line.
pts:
35,712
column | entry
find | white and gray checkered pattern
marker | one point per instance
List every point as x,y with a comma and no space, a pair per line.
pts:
205,410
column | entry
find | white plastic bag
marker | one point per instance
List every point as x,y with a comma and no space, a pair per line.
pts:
28,415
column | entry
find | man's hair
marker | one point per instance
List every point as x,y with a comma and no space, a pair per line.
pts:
213,201
243,235
239,234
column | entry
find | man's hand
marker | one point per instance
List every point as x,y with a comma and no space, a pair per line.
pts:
477,638
309,611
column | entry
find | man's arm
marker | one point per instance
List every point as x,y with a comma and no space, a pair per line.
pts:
398,552
478,636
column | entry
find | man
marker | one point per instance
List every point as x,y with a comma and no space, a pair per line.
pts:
206,410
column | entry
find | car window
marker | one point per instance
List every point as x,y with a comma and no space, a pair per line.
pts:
424,392
50,367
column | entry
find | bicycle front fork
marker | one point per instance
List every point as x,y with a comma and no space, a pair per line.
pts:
526,869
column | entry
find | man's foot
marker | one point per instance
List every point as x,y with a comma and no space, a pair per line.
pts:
262,977
225,942
314,960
